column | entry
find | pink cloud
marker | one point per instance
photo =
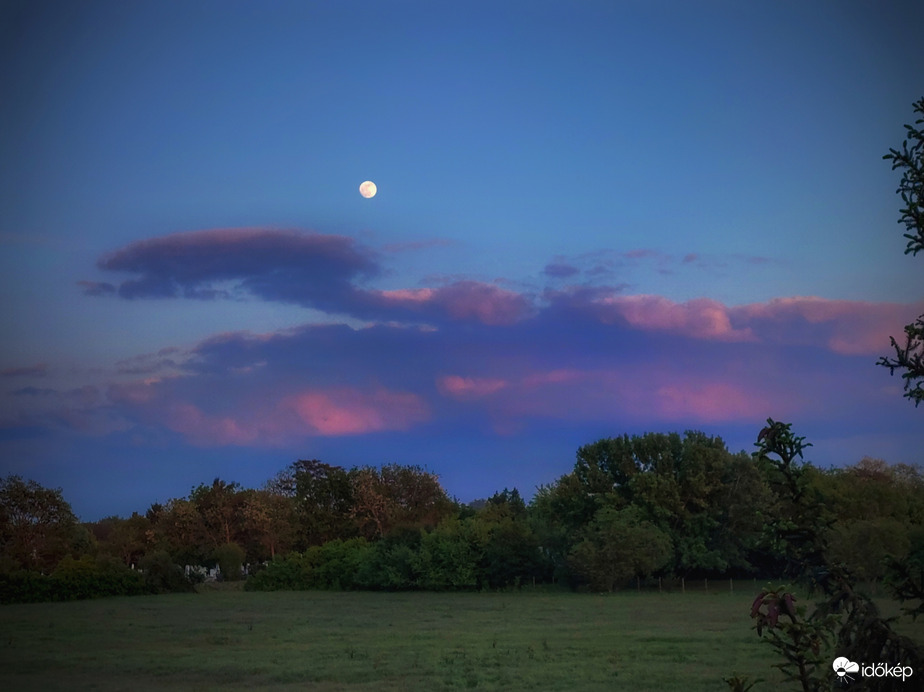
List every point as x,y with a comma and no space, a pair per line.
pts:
408,295
701,318
850,327
654,393
468,388
349,412
263,418
842,326
461,300
564,376
206,430
642,254
708,402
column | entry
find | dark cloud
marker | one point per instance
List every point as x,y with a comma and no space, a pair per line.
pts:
37,370
33,391
97,288
560,270
286,266
417,245
324,272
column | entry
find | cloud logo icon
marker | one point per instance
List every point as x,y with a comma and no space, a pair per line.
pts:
843,666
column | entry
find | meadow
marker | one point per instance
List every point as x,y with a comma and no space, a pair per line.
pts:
230,639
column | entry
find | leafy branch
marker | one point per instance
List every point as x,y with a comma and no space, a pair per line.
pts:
910,159
846,619
911,188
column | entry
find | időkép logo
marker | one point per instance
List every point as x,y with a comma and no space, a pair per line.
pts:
847,671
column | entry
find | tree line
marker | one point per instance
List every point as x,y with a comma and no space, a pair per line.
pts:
632,507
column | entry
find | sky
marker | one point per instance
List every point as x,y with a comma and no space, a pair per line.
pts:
592,219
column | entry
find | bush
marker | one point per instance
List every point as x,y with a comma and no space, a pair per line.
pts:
449,556
161,575
73,579
89,578
335,565
24,586
283,573
339,563
230,559
391,563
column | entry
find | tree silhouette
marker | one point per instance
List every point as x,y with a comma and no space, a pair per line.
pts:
909,357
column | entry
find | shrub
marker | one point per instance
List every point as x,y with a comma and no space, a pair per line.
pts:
24,586
161,575
230,559
73,579
335,565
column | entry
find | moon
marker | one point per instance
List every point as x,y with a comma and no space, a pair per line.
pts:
367,189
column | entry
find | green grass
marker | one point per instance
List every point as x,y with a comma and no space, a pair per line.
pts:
373,641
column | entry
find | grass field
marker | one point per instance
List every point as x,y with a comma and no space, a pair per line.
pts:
373,641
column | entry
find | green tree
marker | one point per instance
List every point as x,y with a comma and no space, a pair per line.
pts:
37,526
269,519
511,554
181,532
618,545
221,506
909,355
127,539
679,484
323,502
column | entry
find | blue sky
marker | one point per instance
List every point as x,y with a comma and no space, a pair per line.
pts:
592,218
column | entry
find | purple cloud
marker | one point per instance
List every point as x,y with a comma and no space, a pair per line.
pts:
318,271
577,356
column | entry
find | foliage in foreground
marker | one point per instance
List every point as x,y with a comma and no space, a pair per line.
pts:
846,622
909,355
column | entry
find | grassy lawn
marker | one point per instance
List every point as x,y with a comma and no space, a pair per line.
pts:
374,641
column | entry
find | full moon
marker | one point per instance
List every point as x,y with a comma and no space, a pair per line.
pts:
367,189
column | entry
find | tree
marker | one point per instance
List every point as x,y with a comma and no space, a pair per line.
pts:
511,554
270,519
845,617
127,539
418,500
678,484
180,529
37,526
221,506
909,357
373,507
619,545
323,501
